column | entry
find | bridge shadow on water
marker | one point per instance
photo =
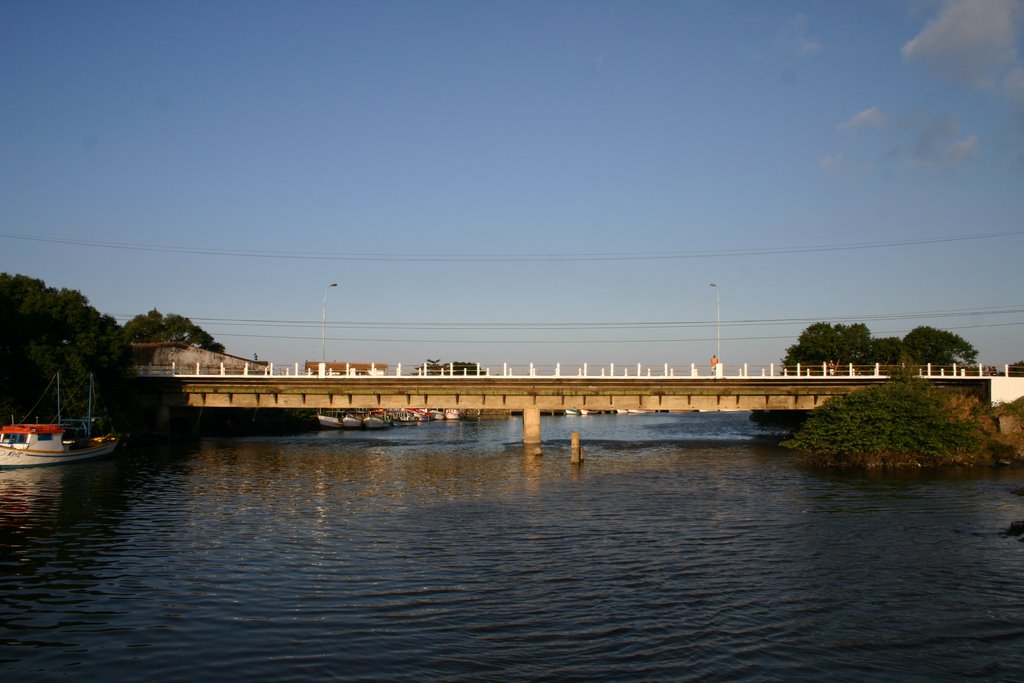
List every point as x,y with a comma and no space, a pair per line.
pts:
628,431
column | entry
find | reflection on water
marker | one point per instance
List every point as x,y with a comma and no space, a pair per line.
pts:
684,547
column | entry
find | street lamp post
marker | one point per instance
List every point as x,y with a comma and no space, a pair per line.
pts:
718,325
323,334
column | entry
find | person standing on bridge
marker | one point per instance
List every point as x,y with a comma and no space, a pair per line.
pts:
714,364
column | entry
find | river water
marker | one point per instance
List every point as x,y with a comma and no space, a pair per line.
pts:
686,547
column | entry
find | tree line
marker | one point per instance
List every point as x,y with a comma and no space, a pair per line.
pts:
49,330
841,345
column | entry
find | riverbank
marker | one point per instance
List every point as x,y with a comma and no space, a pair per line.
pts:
910,425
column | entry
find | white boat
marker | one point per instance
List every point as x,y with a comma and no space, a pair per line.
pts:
376,421
339,421
403,417
28,445
329,421
452,414
352,421
572,411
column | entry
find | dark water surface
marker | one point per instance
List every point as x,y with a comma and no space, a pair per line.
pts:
685,548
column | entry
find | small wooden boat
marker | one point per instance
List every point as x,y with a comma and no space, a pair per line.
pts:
403,417
340,421
349,421
28,445
376,420
329,421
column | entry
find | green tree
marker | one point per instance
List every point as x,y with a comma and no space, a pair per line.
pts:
889,351
839,343
49,330
157,327
929,345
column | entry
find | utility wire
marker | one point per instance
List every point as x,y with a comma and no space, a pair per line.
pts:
509,258
566,341
585,325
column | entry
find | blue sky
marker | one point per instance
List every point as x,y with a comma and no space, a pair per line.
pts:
521,181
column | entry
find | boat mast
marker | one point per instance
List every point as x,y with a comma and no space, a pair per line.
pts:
58,397
88,425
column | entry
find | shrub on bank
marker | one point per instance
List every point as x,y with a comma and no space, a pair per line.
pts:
893,424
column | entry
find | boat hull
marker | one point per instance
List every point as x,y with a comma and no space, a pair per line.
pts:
18,457
329,421
374,422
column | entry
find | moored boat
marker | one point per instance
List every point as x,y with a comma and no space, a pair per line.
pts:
329,421
349,421
62,441
403,417
376,420
28,445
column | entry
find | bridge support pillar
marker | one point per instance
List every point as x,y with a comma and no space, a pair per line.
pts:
163,421
531,426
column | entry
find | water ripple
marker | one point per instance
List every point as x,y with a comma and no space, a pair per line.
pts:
672,554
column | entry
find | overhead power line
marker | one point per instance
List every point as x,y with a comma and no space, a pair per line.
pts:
511,258
604,325
407,340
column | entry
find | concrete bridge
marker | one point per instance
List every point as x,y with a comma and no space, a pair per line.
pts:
532,391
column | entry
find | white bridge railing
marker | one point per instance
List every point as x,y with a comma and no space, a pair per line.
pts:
586,370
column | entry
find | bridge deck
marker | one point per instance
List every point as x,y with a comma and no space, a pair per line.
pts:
516,393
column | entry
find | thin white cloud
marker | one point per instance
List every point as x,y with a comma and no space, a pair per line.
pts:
917,141
937,143
1013,85
832,162
872,116
960,150
931,141
795,40
970,41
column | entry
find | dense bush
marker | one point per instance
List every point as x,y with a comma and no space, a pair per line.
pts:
887,422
